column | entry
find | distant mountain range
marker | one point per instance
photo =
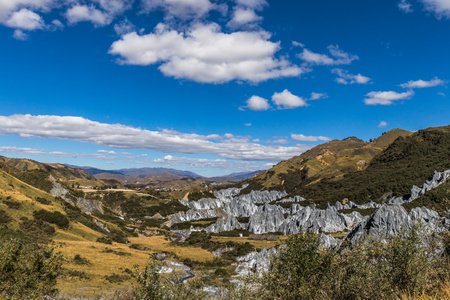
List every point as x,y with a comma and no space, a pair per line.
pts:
143,176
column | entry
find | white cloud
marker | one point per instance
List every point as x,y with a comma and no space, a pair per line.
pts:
423,84
169,160
121,136
124,27
286,100
20,35
304,138
298,44
84,13
338,57
243,16
255,4
386,98
382,124
9,7
101,15
317,96
441,94
441,8
248,124
258,103
183,9
205,54
280,141
405,6
25,19
106,152
346,78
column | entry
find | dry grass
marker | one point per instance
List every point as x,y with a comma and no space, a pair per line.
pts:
103,263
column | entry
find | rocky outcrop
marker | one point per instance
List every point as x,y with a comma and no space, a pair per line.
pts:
267,212
390,219
437,179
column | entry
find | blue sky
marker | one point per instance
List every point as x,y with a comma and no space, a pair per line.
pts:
215,86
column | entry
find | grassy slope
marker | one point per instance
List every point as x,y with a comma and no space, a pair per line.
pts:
330,160
408,161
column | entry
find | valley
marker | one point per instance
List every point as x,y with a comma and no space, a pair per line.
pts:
104,224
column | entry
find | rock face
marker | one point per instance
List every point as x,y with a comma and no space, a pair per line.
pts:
392,218
86,205
266,212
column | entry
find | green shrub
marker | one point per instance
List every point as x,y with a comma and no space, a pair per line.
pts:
54,217
43,201
4,217
104,240
79,260
13,204
27,271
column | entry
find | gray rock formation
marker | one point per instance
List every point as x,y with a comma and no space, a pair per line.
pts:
437,179
390,219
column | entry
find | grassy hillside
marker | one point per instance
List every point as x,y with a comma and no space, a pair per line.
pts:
331,161
408,161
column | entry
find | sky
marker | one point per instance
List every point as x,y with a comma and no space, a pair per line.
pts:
215,86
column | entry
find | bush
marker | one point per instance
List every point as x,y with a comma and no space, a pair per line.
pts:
43,201
55,217
79,260
405,263
4,217
13,204
27,271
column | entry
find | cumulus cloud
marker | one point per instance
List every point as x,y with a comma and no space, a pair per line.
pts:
205,54
405,6
336,57
10,7
244,13
382,124
100,15
317,96
423,84
121,136
20,35
304,138
124,27
258,103
346,78
84,13
243,16
386,98
183,9
25,19
441,8
286,100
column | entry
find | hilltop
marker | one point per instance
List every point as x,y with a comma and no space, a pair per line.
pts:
330,160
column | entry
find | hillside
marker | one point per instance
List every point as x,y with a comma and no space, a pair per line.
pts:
330,160
358,171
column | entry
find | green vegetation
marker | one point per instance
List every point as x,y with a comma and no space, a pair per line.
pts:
37,178
79,260
54,217
43,201
203,223
4,217
437,199
27,271
363,212
406,162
